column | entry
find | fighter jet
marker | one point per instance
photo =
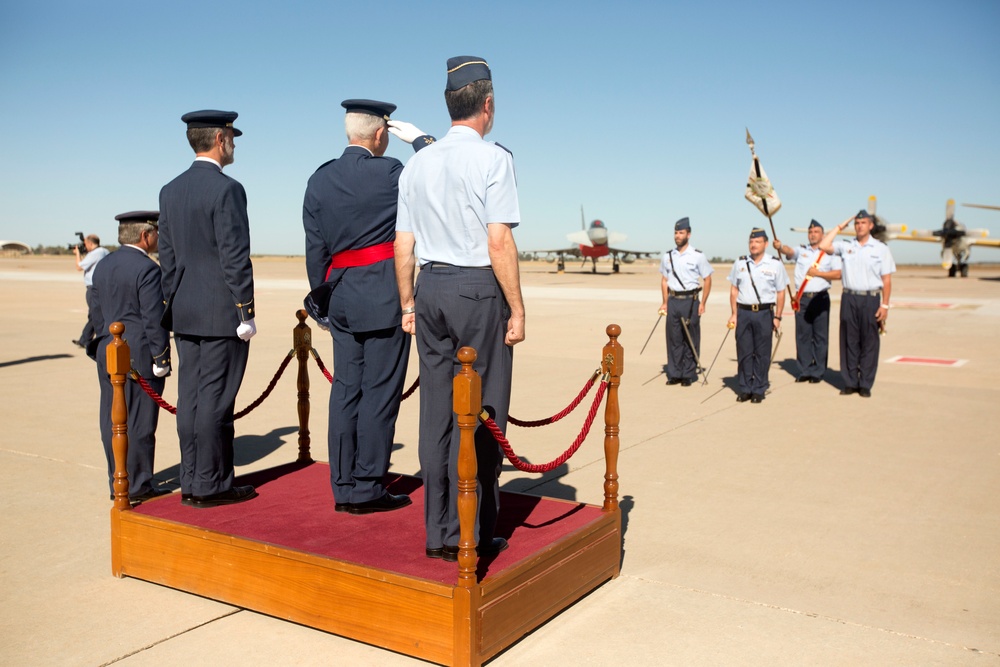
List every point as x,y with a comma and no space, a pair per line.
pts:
592,243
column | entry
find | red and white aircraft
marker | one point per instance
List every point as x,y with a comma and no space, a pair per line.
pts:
592,243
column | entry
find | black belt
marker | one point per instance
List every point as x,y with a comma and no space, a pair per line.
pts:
808,295
684,294
870,292
445,265
754,306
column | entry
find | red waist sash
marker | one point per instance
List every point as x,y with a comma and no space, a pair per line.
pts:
360,257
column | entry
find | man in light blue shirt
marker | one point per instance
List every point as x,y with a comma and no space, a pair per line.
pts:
864,307
684,269
814,269
757,299
457,208
86,263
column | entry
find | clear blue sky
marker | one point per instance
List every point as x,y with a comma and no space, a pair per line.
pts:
635,110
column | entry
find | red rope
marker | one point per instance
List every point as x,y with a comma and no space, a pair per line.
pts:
559,415
322,367
242,413
552,465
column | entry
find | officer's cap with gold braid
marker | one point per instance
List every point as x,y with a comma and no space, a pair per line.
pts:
463,70
211,118
370,107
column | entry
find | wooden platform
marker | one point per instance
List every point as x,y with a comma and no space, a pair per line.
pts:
463,620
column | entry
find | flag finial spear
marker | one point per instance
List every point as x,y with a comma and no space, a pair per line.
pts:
749,141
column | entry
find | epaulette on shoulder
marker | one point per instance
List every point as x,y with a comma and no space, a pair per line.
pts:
325,163
696,250
497,143
742,257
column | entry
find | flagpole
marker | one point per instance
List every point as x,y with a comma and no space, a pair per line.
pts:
767,212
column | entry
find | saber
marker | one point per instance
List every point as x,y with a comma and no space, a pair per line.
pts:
724,338
650,336
777,342
687,334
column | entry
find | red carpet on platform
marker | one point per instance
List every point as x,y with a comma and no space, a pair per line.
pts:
295,510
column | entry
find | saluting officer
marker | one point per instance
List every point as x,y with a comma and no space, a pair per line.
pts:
127,290
349,216
684,269
814,269
757,299
458,206
864,307
208,287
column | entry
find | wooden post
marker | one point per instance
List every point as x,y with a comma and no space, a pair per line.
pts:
118,360
613,363
302,344
467,392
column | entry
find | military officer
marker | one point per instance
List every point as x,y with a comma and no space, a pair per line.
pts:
208,287
814,269
864,306
126,289
685,272
757,299
349,216
458,205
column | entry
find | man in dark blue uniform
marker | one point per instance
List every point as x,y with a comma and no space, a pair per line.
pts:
126,289
349,216
208,287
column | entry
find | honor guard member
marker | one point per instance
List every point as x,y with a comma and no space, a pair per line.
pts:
208,287
864,306
458,205
684,269
757,299
349,216
127,290
814,269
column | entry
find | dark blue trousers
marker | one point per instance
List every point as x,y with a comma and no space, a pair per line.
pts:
210,372
143,414
457,307
753,349
88,329
369,369
859,340
812,334
681,364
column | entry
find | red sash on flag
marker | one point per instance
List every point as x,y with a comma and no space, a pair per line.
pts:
360,257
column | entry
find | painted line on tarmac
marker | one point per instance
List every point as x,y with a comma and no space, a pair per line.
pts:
927,361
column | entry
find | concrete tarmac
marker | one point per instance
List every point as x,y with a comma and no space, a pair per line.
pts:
811,529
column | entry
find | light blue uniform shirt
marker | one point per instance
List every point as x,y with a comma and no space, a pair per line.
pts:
450,191
690,265
805,257
864,265
769,276
89,263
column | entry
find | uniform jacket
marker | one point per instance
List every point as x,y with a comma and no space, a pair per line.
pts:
350,203
205,252
127,290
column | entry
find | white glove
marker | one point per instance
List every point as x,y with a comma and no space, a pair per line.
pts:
405,131
246,330
160,372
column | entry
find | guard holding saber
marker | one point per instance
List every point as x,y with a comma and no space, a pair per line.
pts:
814,269
686,274
757,300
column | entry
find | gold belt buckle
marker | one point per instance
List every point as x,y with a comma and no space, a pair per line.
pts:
754,307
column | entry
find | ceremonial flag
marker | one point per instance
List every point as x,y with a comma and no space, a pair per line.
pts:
759,191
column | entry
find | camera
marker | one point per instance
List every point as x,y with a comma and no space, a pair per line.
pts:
81,246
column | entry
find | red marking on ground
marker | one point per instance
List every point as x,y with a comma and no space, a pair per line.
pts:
927,361
929,306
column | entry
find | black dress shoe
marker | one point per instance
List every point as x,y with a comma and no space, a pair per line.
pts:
149,495
186,499
79,344
386,503
449,554
847,391
673,381
743,397
815,380
685,382
865,393
496,545
756,398
237,494
434,553
803,378
342,507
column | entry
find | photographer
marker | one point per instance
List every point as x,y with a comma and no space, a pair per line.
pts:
93,253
